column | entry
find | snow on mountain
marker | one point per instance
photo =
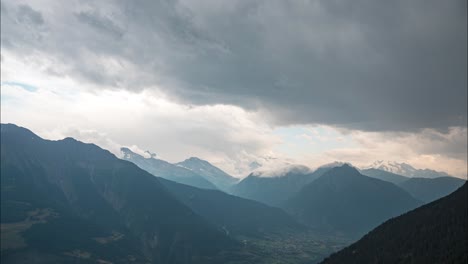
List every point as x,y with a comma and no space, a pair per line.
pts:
405,169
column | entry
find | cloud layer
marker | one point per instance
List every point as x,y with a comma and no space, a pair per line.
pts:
244,82
367,65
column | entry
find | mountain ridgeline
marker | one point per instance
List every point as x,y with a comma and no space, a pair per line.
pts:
221,179
65,201
428,190
273,190
423,189
434,233
384,175
69,202
346,201
164,169
406,170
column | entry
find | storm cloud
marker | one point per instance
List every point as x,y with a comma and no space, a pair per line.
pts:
367,65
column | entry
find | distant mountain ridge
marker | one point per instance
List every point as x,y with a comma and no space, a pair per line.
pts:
428,190
423,189
385,175
215,175
343,199
405,169
273,190
164,169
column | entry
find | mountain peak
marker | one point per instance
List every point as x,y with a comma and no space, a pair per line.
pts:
348,201
19,131
129,154
335,164
194,160
212,173
69,139
345,169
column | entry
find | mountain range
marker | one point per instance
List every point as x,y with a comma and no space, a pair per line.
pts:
66,202
215,175
69,202
344,200
428,190
385,175
423,189
405,169
164,169
275,189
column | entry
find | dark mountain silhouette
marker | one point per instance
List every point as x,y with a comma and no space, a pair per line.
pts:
234,215
275,190
215,175
344,200
428,190
384,175
164,169
69,202
434,233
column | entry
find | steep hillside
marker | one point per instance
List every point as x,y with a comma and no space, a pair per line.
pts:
67,202
434,233
234,215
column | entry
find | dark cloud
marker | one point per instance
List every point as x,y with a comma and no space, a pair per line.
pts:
369,65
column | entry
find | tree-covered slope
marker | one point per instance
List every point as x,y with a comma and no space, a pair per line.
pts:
434,233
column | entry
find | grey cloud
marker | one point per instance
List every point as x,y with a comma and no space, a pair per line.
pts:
452,144
21,27
28,15
102,23
369,65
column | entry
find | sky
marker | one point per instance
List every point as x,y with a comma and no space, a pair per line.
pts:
241,82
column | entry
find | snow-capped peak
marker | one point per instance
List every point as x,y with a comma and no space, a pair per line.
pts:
393,167
405,169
